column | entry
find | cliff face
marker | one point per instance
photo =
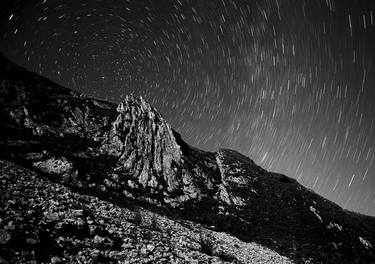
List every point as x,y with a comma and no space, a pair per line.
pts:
126,156
150,161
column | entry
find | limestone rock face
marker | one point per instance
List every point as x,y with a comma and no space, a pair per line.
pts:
148,146
151,158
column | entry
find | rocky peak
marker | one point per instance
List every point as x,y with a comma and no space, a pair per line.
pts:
152,158
147,145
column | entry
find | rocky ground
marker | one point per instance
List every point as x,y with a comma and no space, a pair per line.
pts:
88,181
44,221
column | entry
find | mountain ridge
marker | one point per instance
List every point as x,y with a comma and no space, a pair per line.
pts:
127,154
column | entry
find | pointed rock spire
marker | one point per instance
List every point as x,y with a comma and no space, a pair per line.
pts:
148,148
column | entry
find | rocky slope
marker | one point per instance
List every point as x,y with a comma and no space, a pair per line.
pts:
87,180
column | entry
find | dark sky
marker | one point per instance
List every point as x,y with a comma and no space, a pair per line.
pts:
290,83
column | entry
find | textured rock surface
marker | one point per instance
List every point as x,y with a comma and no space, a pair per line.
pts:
85,166
149,159
48,222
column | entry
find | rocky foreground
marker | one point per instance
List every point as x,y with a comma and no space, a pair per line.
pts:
88,181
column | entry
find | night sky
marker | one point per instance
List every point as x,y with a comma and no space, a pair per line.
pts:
290,83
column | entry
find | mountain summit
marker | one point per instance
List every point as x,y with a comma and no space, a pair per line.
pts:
87,180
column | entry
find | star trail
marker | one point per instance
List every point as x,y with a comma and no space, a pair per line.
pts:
290,83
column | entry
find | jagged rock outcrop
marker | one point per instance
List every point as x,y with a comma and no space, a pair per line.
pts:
151,159
128,155
148,146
